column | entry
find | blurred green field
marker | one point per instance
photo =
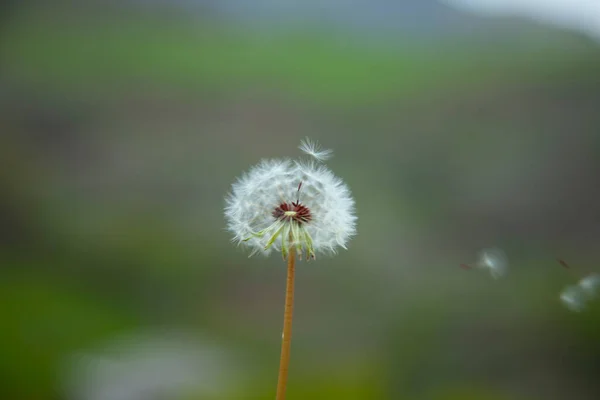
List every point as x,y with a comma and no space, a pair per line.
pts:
93,54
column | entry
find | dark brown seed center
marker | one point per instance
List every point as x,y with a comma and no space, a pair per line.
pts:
292,212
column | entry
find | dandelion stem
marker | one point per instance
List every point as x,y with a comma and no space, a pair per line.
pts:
286,339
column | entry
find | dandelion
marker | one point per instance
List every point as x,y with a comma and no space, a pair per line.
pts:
313,149
297,208
492,259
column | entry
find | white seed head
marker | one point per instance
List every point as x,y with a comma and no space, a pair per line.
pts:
313,149
573,298
495,260
280,204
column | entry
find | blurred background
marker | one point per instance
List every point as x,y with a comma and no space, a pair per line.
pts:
458,125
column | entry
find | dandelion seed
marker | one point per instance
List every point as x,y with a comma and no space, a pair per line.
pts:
492,259
590,285
495,260
574,298
313,149
296,208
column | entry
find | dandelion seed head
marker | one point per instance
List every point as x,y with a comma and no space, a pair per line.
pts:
313,149
280,204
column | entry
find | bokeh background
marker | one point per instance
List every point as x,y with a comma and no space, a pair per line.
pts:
458,125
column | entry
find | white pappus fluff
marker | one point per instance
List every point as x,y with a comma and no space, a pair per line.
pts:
283,204
494,260
590,285
575,297
313,149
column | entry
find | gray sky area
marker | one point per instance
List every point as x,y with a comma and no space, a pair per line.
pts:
416,18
